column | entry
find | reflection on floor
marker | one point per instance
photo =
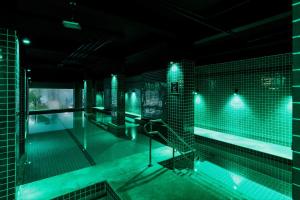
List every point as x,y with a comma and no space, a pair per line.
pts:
55,152
131,178
246,187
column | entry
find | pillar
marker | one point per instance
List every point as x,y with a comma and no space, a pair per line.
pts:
180,117
8,112
107,94
23,114
77,95
118,100
296,100
90,96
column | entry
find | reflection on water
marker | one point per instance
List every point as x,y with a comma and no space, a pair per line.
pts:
50,122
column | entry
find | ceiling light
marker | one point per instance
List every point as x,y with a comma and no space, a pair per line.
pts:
26,41
71,25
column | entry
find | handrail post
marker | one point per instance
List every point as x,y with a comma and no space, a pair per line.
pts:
150,146
173,158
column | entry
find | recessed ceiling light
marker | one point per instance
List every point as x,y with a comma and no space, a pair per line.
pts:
26,41
71,25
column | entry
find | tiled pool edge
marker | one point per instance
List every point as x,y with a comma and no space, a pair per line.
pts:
98,190
52,187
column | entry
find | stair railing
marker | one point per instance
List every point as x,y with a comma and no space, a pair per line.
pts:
169,143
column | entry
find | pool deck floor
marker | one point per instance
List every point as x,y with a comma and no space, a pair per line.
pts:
131,178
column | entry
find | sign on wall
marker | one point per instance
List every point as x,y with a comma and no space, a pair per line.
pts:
174,88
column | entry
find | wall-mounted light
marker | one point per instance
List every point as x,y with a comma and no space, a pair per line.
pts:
26,41
174,66
236,91
195,92
28,70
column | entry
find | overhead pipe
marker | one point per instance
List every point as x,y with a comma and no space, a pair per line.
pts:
243,28
193,16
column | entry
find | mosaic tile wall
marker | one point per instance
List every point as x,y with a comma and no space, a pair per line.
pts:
133,101
180,87
133,94
8,45
118,99
296,99
249,98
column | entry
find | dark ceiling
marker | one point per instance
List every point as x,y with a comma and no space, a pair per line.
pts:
134,36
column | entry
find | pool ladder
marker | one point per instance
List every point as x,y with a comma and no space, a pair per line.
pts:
151,133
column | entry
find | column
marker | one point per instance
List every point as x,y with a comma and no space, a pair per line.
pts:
78,95
118,100
23,113
180,117
8,99
296,100
90,96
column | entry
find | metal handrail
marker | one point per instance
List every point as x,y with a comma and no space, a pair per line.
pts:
165,139
174,133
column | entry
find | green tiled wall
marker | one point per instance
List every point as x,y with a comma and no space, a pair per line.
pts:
99,99
296,99
180,104
8,59
118,99
133,101
90,99
249,98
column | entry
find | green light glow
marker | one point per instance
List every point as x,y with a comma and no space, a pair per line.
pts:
236,102
174,67
133,102
290,104
296,36
26,41
241,184
99,99
296,20
296,53
295,4
197,99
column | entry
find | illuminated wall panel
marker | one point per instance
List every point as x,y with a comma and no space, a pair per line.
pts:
133,101
250,98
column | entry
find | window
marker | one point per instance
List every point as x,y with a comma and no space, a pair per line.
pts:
49,99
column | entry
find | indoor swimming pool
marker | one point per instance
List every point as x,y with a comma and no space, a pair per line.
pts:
66,145
63,142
